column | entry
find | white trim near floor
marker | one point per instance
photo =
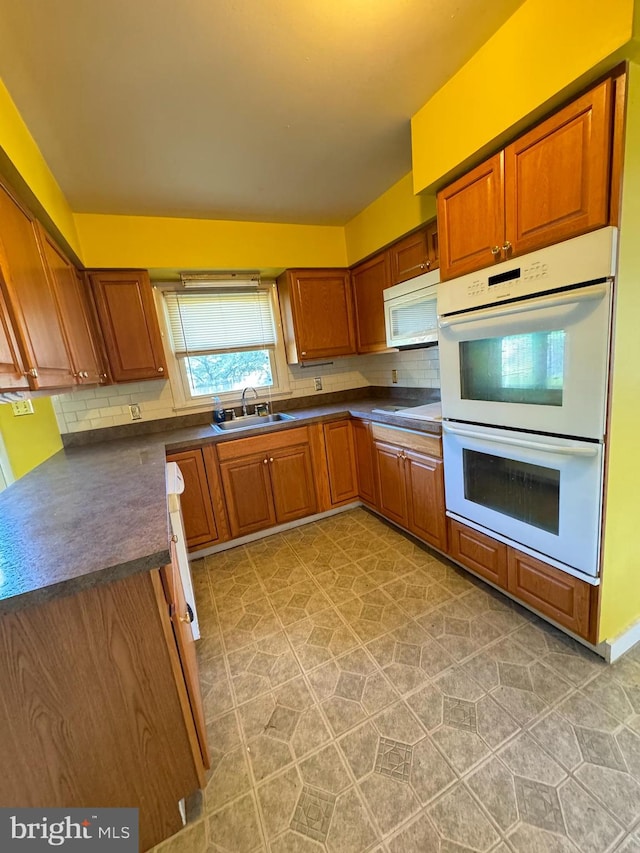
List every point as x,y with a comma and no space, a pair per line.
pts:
611,650
6,474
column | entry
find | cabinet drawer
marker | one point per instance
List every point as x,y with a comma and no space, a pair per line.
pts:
262,443
421,442
563,598
482,554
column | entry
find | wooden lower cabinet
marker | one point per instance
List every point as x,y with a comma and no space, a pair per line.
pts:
485,556
565,599
197,506
425,504
392,493
341,461
363,449
267,480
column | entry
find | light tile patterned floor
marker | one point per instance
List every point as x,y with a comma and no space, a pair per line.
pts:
363,694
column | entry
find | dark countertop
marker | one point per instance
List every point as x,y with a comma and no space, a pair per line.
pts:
94,513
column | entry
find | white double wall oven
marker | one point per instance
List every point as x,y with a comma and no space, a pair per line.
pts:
524,358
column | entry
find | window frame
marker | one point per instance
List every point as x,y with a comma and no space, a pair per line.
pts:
183,398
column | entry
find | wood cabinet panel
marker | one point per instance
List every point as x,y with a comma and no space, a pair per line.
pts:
471,219
392,496
363,449
129,323
197,509
73,308
409,257
556,594
480,553
247,490
425,503
341,462
557,174
433,247
277,440
291,475
369,281
30,300
12,372
317,313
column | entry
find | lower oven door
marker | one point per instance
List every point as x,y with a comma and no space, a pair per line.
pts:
542,492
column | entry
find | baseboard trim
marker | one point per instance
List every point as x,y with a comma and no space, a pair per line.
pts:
614,649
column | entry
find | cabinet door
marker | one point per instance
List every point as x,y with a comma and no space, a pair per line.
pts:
425,498
471,219
433,250
247,492
129,323
197,510
181,622
341,461
409,257
291,472
322,306
73,310
482,554
12,373
30,300
364,461
369,281
561,597
557,175
392,495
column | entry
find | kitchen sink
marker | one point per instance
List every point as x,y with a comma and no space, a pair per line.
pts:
251,421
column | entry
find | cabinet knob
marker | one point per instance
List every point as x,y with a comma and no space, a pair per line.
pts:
174,538
303,353
161,370
265,461
506,247
495,250
271,459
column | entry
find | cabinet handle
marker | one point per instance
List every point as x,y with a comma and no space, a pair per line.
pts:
188,616
506,247
161,370
495,250
265,461
32,372
174,538
303,353
271,459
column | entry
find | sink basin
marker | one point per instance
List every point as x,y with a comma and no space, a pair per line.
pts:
251,421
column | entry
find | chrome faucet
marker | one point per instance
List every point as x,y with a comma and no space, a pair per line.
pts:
244,402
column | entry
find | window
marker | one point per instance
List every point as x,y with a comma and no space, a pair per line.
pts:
225,341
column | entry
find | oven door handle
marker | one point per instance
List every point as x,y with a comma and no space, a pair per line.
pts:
523,442
587,294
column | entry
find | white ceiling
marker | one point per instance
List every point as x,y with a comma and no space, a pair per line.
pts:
266,110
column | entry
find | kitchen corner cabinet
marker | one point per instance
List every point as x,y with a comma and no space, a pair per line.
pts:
129,323
196,501
73,306
32,340
363,449
415,254
550,184
410,482
267,480
341,462
369,280
317,313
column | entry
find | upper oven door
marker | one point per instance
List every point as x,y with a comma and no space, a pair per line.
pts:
538,364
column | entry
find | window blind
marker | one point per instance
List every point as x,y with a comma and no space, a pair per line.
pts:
219,322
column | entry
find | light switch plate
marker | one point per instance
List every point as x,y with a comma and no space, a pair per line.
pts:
22,407
317,383
394,377
134,411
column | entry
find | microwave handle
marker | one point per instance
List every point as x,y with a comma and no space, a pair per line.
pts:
522,442
533,304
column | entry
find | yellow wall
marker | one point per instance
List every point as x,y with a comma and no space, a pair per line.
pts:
543,48
391,215
21,149
620,605
165,243
29,439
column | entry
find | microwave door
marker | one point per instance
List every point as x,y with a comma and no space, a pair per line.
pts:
539,364
411,319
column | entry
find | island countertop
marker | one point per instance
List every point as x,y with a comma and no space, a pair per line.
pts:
94,513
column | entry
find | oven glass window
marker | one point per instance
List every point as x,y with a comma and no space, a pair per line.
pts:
529,493
526,368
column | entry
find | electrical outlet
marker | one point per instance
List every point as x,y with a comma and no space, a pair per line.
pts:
394,377
22,407
134,411
317,383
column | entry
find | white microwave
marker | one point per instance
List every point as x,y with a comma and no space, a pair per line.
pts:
411,312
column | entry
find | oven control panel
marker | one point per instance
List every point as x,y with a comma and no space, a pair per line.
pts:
590,257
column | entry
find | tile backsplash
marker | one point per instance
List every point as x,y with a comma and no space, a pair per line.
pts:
95,408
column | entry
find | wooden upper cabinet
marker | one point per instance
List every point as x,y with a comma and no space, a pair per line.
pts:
30,301
74,311
471,219
369,280
12,372
129,322
410,257
317,313
557,174
433,247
